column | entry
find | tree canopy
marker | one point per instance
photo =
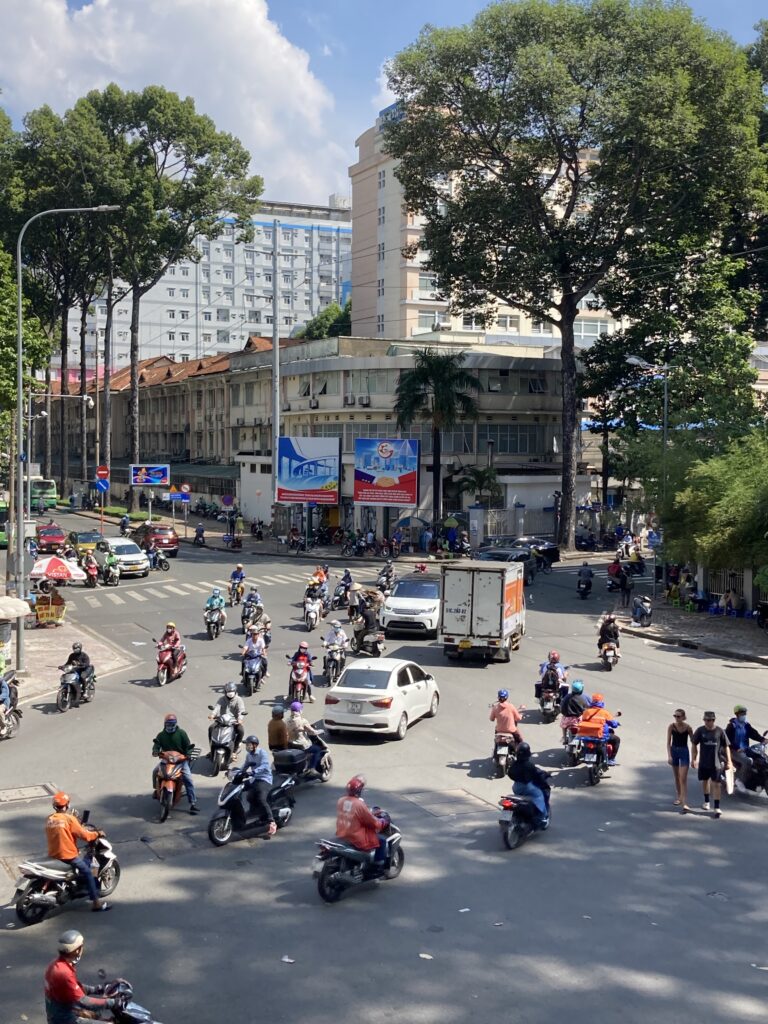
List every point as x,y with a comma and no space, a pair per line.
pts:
331,322
37,346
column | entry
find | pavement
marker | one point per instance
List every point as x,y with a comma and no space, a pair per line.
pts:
727,637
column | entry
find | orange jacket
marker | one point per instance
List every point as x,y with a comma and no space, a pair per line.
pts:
62,830
356,824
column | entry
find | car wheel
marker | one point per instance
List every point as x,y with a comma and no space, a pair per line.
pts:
434,704
145,574
402,727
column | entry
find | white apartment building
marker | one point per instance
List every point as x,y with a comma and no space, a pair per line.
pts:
396,298
211,307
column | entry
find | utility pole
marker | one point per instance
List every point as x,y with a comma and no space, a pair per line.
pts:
275,354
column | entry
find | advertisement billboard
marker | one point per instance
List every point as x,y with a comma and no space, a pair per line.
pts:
149,476
309,469
386,472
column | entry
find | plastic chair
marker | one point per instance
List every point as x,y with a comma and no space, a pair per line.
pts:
715,609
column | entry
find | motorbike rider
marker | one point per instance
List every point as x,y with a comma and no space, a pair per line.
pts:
174,738
358,825
151,550
609,634
255,646
62,830
235,705
738,733
277,730
303,653
259,780
216,601
172,638
387,574
301,734
65,995
78,661
365,623
200,534
89,561
346,581
597,712
530,781
506,716
573,705
586,575
552,670
237,579
336,637
252,599
125,523
313,601
5,699
614,568
111,563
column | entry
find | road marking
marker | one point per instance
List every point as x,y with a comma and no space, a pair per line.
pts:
263,583
115,599
94,602
195,587
175,590
281,579
156,593
134,595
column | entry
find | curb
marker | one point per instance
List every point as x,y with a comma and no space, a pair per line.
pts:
674,640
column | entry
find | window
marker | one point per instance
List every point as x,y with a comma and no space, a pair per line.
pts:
184,357
268,236
185,271
591,328
533,385
206,251
267,279
380,252
512,438
228,295
171,271
285,298
103,310
171,335
171,314
170,292
206,294
380,323
248,298
249,255
228,275
207,315
198,400
510,324
380,287
229,252
254,316
248,394
426,318
184,314
287,236
206,339
382,179
185,335
427,283
403,679
286,258
540,327
288,321
268,319
418,675
469,323
382,215
222,337
287,279
234,394
249,276
206,272
222,315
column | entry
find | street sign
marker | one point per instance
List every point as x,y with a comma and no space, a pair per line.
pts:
175,496
102,486
185,488
165,496
227,500
174,488
102,472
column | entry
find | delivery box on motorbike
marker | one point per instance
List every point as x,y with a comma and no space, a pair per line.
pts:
291,760
593,730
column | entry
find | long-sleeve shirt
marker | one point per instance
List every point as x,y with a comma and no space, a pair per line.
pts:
257,763
356,824
176,740
62,830
339,639
235,706
740,733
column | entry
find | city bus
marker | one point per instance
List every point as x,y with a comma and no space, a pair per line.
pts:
45,489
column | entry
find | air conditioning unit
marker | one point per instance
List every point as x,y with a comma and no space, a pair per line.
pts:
286,406
258,420
349,399
364,400
314,404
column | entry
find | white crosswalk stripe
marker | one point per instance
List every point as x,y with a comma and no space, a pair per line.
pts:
115,598
156,593
92,601
194,587
174,590
135,595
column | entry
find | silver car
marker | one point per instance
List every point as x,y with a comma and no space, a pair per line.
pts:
131,560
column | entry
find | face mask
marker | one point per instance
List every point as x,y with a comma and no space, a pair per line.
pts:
170,728
741,718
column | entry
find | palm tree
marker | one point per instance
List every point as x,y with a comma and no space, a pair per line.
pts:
435,391
477,479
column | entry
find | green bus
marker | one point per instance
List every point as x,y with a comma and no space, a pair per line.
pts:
45,489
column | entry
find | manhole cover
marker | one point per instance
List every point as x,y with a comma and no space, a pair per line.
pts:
9,796
447,802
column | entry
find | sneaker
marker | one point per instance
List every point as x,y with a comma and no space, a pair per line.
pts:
718,813
311,700
101,907
194,809
705,805
611,763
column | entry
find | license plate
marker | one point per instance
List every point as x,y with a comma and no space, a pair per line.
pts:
465,645
502,751
590,758
317,866
505,816
355,707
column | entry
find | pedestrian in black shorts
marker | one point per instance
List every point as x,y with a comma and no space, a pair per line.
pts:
711,748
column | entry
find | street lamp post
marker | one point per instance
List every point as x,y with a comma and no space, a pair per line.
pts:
19,574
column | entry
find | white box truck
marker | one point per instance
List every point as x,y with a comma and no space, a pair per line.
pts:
482,608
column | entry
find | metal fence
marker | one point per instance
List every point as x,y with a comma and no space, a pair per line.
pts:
500,522
720,580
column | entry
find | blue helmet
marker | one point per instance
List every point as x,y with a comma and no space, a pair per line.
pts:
503,694
577,686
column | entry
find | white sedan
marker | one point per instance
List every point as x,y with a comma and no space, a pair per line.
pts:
380,695
131,560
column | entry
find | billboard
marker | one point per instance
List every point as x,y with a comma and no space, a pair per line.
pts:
149,476
308,469
386,472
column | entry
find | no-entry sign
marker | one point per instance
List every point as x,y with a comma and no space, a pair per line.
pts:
102,472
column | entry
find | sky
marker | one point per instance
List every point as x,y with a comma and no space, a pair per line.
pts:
296,80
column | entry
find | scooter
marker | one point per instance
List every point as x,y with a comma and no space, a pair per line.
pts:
609,656
252,673
73,689
10,723
168,781
755,777
370,643
642,610
386,581
519,819
235,813
126,1010
549,704
338,865
299,678
313,608
91,575
212,619
295,762
333,662
161,563
571,742
236,591
583,589
251,613
199,540
111,575
167,671
222,738
46,884
503,752
340,598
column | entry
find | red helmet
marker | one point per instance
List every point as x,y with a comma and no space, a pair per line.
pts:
554,656
60,801
356,785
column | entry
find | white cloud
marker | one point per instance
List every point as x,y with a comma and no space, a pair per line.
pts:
384,95
326,50
227,54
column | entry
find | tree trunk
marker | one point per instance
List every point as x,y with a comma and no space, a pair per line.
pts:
606,467
106,409
436,476
83,393
567,527
13,462
64,439
133,407
47,469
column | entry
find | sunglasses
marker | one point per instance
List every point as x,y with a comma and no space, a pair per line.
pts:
678,716
709,719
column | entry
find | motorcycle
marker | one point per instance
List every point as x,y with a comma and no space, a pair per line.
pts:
549,704
167,671
385,582
236,591
91,574
636,568
295,762
340,598
125,529
126,1010
593,750
613,586
609,656
168,781
73,690
46,884
571,741
199,540
235,813
583,589
518,819
161,563
642,610
10,722
251,613
212,618
369,643
299,678
503,752
111,575
333,662
338,865
313,609
222,737
756,776
252,672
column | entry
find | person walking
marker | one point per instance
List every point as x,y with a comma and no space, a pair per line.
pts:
711,749
679,732
626,584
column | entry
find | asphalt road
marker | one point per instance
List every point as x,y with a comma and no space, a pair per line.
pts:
623,910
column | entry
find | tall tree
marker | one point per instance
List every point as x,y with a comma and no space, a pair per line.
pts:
177,175
331,322
436,390
480,480
552,145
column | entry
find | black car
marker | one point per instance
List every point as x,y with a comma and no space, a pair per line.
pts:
521,554
548,549
504,540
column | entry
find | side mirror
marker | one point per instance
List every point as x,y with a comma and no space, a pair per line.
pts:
210,707
154,641
618,714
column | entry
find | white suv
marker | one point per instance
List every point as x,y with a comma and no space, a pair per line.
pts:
131,560
413,606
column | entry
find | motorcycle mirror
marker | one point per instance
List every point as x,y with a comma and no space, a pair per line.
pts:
210,707
618,714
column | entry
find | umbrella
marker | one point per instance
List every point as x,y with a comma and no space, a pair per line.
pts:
55,568
13,608
451,521
411,521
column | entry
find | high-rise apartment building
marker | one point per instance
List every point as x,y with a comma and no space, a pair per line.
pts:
211,306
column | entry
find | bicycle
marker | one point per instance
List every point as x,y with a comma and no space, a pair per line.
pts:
543,565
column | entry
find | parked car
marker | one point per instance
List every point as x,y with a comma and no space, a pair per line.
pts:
165,537
504,540
50,538
84,542
548,549
413,606
131,560
521,554
381,695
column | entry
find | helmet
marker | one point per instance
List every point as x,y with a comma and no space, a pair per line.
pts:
336,624
303,646
389,561
278,711
252,739
60,801
297,707
216,592
170,717
739,710
585,564
230,688
356,785
349,571
577,686
170,625
77,647
523,752
170,723
503,694
597,698
254,590
554,655
70,941
253,628
239,565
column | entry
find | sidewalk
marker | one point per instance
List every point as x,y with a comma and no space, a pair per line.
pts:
738,639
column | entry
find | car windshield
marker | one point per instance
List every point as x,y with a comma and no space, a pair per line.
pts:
364,679
50,531
88,538
128,548
493,556
162,531
421,590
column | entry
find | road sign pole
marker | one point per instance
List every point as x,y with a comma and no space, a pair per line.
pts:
102,514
